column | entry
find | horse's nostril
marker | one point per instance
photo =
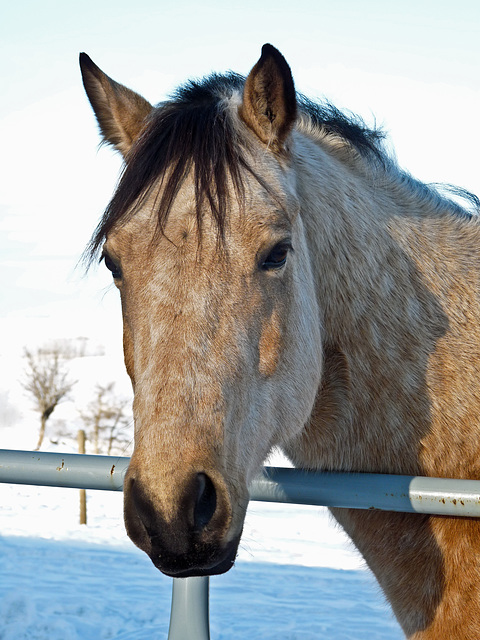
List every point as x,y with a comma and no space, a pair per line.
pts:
205,502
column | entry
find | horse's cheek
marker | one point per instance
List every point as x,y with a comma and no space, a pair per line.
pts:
128,352
270,346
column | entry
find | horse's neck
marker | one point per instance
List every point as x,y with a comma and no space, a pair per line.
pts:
427,566
380,321
399,389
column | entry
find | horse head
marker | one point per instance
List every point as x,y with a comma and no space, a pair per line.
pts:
205,241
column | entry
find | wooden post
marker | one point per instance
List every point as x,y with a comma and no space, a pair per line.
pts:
83,493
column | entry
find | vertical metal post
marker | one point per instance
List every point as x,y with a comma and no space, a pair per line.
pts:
83,494
189,617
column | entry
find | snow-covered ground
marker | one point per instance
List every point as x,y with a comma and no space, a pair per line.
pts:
296,577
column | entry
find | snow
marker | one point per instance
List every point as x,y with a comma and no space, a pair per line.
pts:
297,576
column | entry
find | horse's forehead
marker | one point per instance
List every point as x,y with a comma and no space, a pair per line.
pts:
135,234
251,217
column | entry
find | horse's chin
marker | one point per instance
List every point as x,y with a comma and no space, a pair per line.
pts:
197,567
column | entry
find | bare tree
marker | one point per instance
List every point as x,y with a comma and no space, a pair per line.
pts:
107,418
47,382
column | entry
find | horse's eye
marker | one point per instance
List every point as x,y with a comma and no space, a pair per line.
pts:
113,267
277,257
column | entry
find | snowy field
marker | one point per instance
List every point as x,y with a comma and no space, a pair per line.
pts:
296,577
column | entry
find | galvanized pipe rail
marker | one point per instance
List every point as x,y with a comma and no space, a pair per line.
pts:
189,616
412,494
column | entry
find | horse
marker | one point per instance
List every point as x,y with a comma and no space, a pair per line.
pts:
285,283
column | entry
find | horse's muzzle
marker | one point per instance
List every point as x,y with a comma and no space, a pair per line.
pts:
224,561
186,534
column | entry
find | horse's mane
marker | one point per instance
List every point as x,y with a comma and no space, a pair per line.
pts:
328,120
195,130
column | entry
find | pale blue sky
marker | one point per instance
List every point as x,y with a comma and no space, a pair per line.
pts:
414,65
430,40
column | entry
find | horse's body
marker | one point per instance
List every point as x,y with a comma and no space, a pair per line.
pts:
284,283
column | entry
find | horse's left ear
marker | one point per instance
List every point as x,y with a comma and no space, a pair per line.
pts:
269,105
121,113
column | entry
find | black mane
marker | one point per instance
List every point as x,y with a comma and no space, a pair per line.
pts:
195,131
190,130
349,127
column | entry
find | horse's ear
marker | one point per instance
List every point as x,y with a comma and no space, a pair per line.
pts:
269,105
120,112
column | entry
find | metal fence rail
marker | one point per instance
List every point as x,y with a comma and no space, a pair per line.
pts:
412,494
189,616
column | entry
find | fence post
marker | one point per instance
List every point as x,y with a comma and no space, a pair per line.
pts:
83,493
189,617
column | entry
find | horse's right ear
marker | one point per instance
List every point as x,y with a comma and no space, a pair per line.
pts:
269,105
121,113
